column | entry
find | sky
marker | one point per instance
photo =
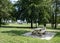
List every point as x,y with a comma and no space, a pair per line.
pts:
13,1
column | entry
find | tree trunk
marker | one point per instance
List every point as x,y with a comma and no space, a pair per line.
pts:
55,25
38,22
52,21
45,25
0,22
36,25
31,23
52,25
56,15
55,20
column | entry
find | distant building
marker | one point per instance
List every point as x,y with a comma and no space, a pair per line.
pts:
19,21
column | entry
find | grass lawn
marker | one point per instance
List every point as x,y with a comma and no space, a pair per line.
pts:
14,35
20,25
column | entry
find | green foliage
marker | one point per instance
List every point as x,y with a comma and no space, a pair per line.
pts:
5,8
30,8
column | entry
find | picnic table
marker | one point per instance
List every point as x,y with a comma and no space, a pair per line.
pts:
39,31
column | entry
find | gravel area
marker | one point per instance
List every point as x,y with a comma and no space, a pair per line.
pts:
47,36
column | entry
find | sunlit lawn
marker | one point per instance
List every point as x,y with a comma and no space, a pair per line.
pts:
20,25
14,35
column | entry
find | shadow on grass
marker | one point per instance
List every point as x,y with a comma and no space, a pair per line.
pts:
49,27
15,32
58,28
14,27
53,28
58,34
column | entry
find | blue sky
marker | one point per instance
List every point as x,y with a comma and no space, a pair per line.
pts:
13,1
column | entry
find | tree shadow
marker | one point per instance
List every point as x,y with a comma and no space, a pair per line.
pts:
53,28
15,32
58,28
15,27
58,34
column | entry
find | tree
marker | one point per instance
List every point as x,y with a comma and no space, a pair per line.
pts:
28,10
55,5
33,10
5,9
45,13
56,11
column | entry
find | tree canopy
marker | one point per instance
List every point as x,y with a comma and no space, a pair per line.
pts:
5,9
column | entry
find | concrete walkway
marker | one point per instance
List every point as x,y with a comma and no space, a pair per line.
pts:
48,36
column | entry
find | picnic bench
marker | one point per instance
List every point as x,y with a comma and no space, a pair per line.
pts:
39,31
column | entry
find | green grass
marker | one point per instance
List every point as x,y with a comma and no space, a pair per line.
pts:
20,25
14,35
